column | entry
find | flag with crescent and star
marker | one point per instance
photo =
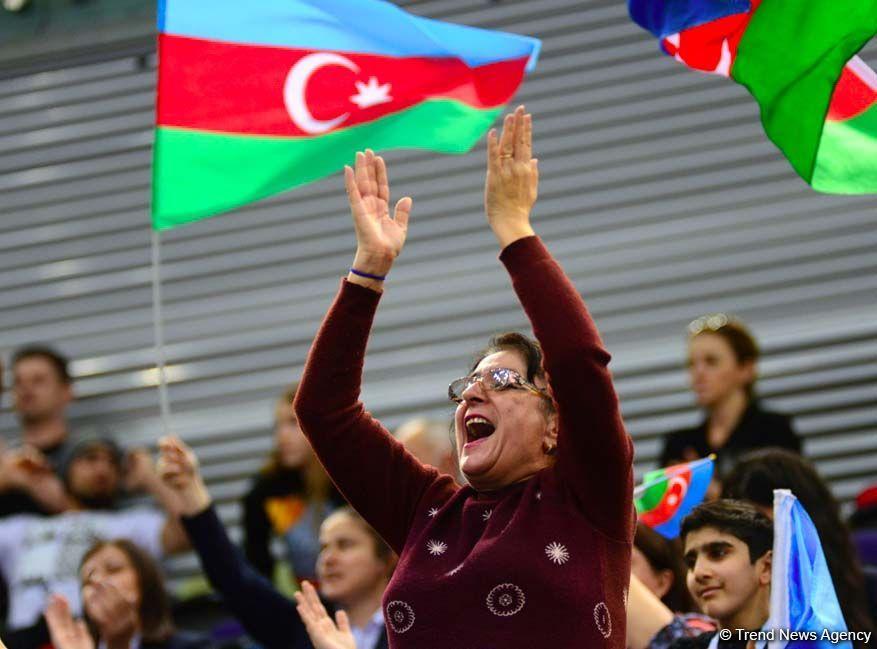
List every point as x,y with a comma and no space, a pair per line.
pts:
256,98
798,58
667,495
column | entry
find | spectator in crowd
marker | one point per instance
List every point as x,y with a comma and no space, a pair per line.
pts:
727,548
354,565
535,552
760,472
657,565
290,498
722,368
42,389
430,442
125,604
41,555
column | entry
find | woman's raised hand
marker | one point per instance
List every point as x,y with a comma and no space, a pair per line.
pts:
65,632
178,469
323,631
512,178
379,238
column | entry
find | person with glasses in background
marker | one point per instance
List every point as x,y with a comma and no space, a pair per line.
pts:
535,550
722,369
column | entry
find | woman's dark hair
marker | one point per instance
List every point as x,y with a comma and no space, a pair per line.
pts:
666,554
732,331
512,341
156,622
755,477
528,348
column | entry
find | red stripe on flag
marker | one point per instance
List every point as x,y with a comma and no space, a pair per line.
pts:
232,88
855,92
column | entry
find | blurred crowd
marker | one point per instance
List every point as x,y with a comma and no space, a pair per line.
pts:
81,565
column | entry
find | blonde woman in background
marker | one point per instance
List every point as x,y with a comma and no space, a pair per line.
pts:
289,498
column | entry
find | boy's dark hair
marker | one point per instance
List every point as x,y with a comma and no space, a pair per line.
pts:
57,360
737,518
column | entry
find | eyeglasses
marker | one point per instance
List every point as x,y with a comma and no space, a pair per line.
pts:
496,379
712,322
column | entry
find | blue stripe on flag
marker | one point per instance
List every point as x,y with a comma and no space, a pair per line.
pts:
701,474
363,26
802,596
665,17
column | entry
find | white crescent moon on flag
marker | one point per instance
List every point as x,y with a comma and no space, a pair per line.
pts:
674,499
296,84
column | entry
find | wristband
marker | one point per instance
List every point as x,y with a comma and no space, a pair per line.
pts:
360,273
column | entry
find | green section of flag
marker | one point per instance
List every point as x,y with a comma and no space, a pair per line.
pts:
652,496
197,174
847,158
790,58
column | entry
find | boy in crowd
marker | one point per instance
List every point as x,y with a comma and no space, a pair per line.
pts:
728,553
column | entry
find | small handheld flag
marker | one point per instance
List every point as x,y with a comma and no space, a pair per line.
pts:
818,100
256,98
667,495
802,596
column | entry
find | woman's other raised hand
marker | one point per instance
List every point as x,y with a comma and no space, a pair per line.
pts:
65,632
324,632
379,238
512,178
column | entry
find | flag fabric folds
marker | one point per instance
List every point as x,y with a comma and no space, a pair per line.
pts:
802,596
257,98
667,495
818,100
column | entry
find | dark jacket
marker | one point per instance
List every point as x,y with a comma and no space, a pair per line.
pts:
269,617
757,428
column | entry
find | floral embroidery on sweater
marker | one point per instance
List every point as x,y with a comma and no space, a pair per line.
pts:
400,616
505,600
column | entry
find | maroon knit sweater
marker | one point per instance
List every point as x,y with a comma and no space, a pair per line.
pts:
542,564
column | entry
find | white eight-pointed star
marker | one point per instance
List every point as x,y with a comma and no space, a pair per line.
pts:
486,515
557,552
371,93
433,512
436,548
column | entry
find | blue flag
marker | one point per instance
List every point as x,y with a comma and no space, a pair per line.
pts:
802,596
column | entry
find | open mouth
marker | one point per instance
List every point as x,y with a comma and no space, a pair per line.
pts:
478,428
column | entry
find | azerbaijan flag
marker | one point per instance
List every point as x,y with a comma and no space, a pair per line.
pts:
798,58
256,98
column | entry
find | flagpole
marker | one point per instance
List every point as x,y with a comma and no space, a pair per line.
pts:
158,326
640,489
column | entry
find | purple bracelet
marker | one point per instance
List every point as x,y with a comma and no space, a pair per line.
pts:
359,273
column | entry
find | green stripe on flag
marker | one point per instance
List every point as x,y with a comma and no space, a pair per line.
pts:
197,174
847,159
790,58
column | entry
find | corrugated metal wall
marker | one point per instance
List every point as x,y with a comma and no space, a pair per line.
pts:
659,194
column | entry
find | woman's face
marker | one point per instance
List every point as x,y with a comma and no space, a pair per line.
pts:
500,434
714,370
348,567
109,566
292,446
